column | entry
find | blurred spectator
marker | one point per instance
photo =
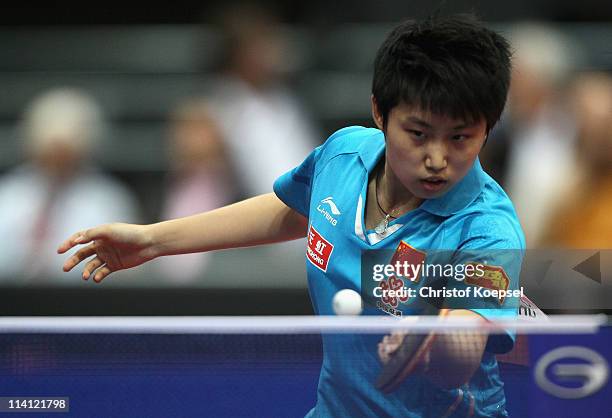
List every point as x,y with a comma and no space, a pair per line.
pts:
584,219
200,179
265,128
542,132
57,190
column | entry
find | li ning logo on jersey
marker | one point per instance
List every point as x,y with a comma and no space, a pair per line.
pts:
332,208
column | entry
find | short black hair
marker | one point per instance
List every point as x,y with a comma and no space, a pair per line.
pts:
444,65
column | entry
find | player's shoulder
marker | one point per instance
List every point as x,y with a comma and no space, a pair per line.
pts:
352,139
492,219
352,132
349,141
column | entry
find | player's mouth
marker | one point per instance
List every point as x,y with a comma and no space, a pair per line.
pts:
434,184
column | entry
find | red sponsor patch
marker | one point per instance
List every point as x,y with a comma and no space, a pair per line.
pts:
493,277
404,253
319,249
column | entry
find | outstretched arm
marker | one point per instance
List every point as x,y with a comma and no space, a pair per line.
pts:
262,219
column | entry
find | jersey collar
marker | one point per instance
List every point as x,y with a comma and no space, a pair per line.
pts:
460,196
456,199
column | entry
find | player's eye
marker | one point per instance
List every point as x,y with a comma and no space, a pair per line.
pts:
416,134
459,137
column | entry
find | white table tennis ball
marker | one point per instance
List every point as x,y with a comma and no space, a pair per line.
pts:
347,302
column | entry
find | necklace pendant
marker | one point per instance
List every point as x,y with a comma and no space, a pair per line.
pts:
382,226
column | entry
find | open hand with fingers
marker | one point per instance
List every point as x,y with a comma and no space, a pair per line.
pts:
112,247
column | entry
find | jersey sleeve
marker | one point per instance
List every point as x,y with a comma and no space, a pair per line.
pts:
495,251
294,187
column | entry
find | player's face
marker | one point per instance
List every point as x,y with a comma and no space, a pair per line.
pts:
429,153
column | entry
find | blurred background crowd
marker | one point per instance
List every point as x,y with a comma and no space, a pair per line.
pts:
125,115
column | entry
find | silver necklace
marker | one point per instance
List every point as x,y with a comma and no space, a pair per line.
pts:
382,226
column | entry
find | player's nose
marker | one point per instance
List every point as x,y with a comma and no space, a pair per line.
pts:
436,157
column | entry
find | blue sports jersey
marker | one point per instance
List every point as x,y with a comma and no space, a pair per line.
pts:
329,188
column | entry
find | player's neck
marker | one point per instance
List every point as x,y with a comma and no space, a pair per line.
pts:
393,196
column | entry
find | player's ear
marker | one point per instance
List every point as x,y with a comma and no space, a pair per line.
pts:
376,115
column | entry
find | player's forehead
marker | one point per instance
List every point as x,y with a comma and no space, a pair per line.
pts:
412,114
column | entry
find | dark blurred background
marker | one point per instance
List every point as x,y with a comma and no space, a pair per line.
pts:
124,112
312,12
